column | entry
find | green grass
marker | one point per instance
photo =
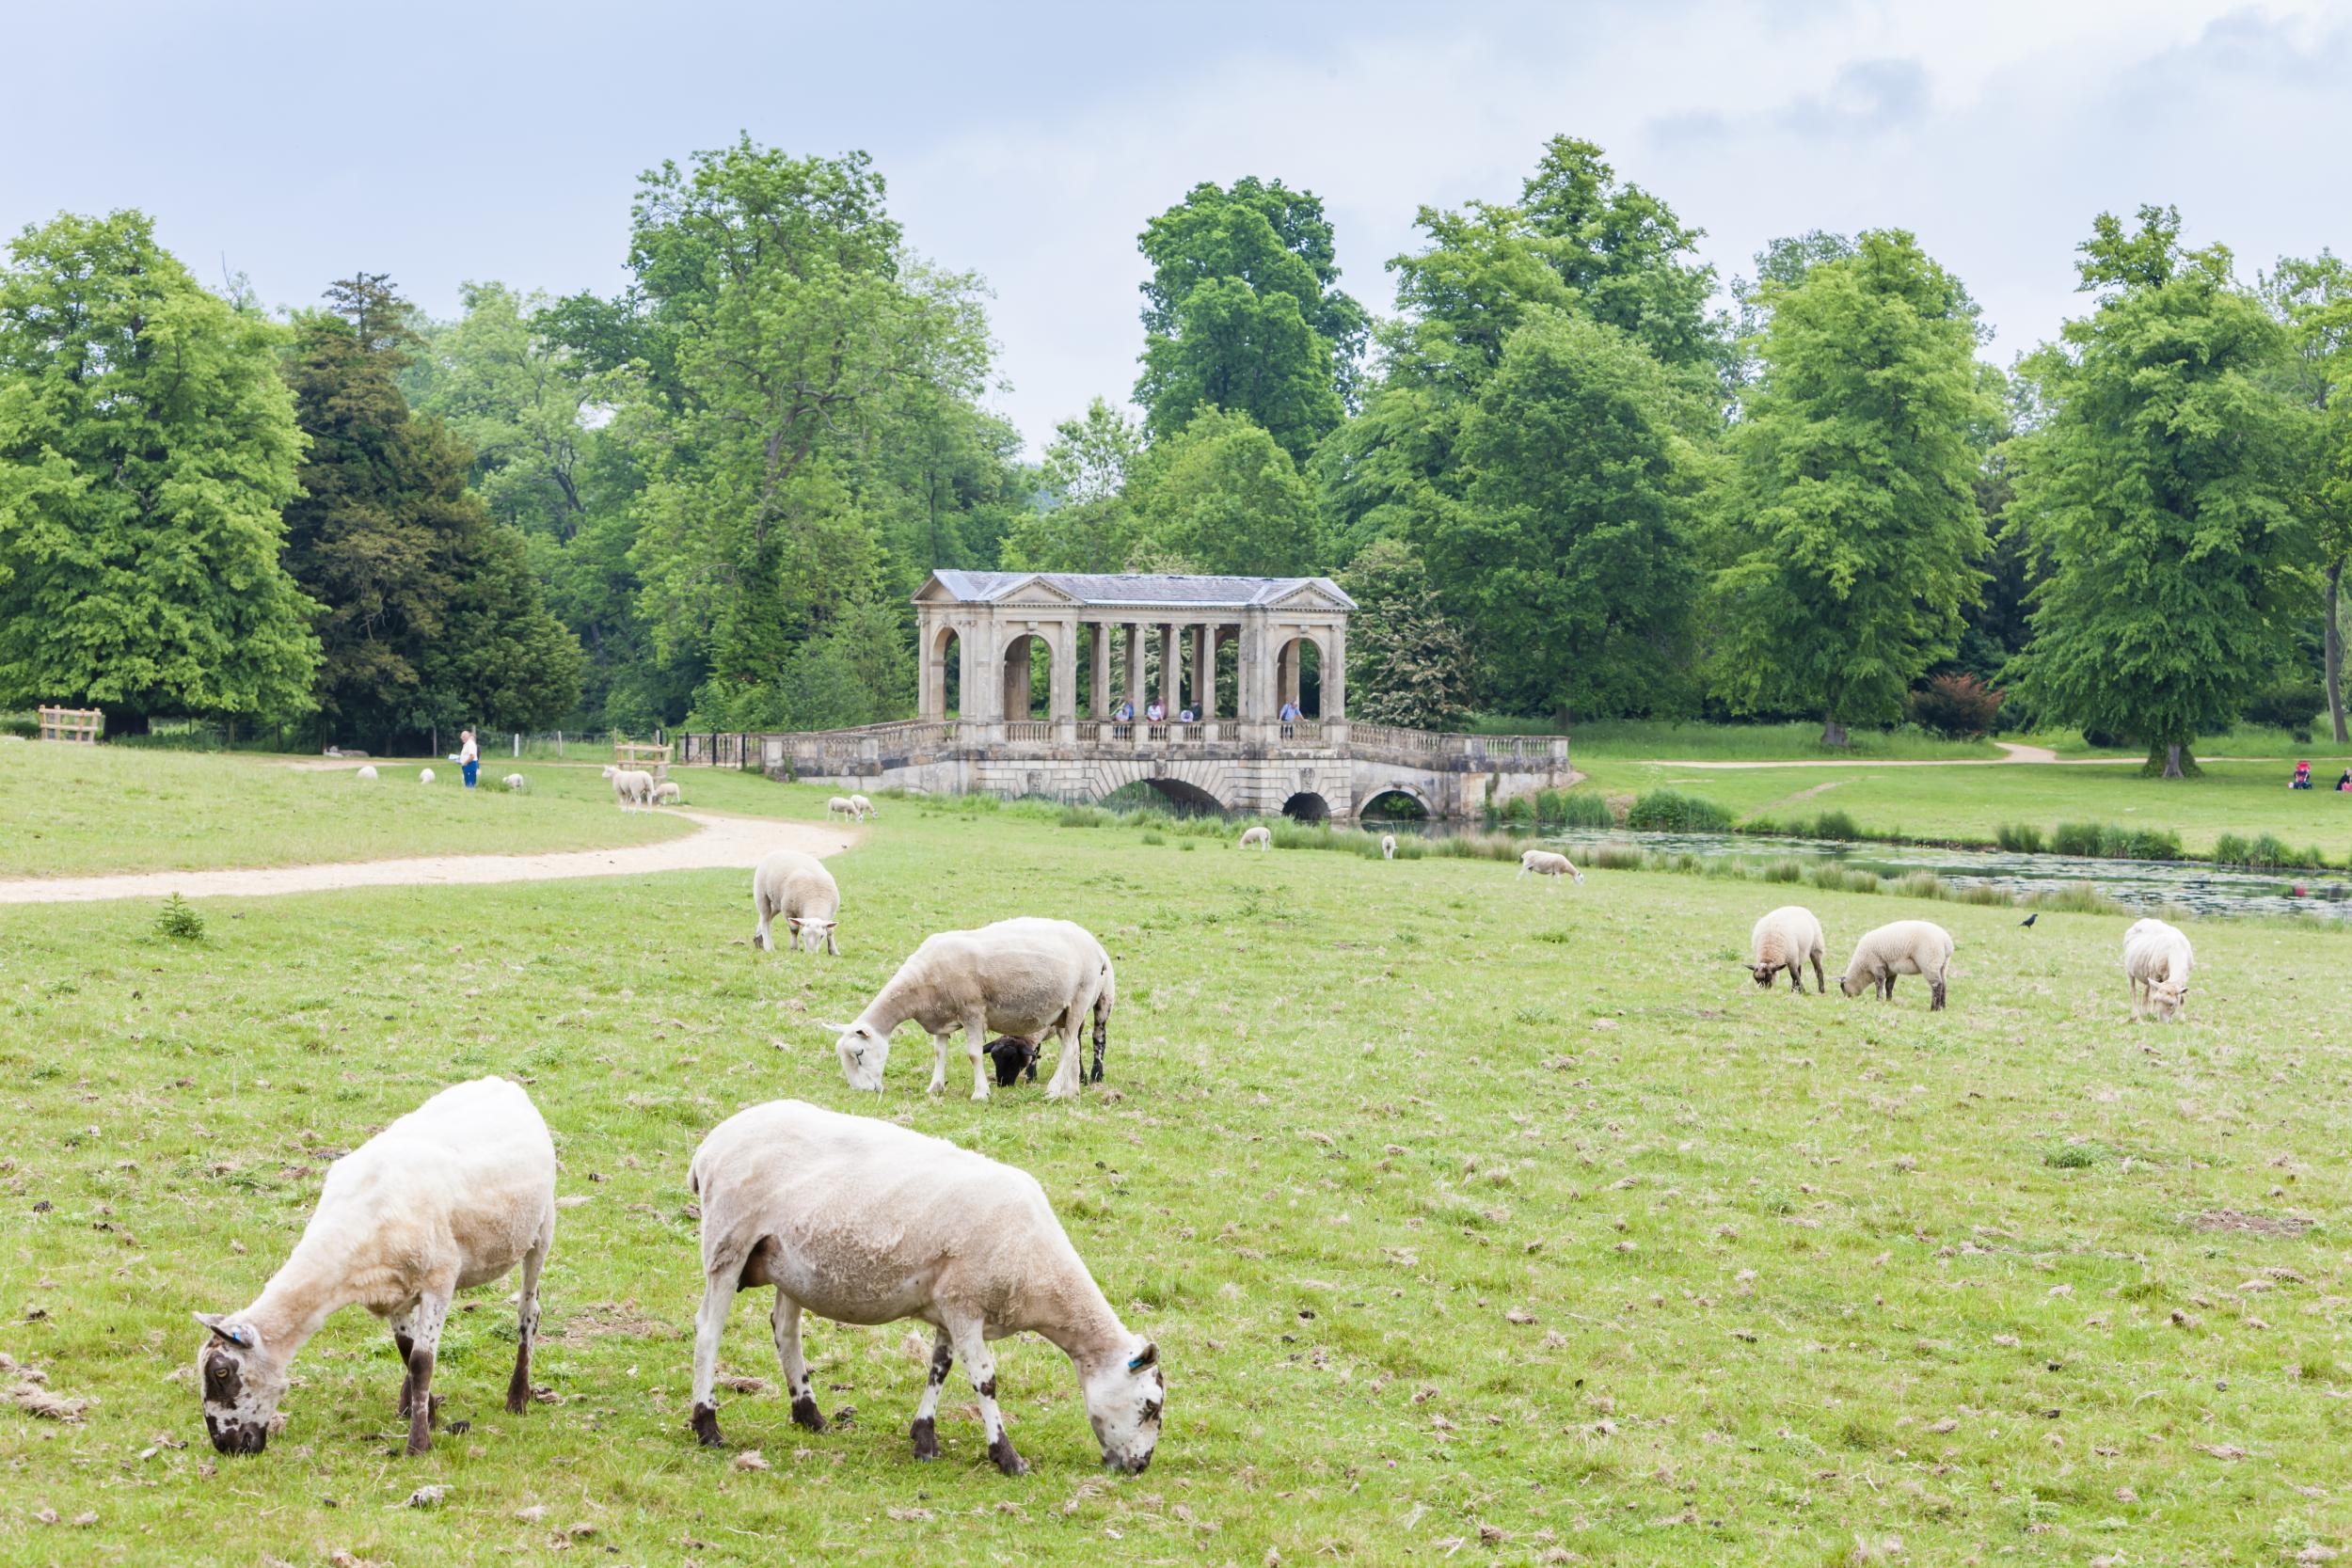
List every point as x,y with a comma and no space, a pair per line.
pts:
84,810
1800,1271
1972,803
1682,739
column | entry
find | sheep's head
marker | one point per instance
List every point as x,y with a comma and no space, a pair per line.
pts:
863,1054
809,936
1852,984
1013,1055
610,770
1766,973
2168,997
242,1384
1125,1397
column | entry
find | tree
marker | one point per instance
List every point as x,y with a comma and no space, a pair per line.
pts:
1243,312
430,618
2156,488
1407,664
1854,527
2315,299
1085,520
1570,555
147,448
1224,495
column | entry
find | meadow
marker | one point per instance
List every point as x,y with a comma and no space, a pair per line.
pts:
1476,1220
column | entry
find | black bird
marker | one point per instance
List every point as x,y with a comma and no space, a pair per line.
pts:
2031,918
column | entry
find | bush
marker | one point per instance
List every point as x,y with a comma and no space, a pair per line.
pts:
1667,811
2294,706
179,921
1835,825
29,729
1582,809
1617,857
1960,706
1784,871
1520,809
1920,884
2266,852
2106,841
2023,837
1839,878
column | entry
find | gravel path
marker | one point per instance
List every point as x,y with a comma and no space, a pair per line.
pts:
2017,754
725,842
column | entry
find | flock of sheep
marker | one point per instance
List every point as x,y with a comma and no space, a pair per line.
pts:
853,1218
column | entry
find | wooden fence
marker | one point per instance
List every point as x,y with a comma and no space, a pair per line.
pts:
82,725
646,754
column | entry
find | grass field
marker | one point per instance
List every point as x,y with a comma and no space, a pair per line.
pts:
1476,1221
84,809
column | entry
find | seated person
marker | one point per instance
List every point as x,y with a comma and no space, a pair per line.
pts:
1155,713
1185,716
1126,714
2302,776
2344,784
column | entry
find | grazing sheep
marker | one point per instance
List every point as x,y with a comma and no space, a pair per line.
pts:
1903,947
2157,961
1786,939
631,786
668,794
515,783
840,805
1388,847
863,807
1548,863
1018,976
799,888
367,774
425,775
1013,1056
453,1194
862,1221
1260,837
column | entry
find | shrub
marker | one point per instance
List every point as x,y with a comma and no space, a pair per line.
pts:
1582,809
1086,816
1920,884
2294,708
1836,825
1520,809
1958,706
1784,871
1667,811
1617,857
1839,878
28,729
2023,837
2267,853
2075,838
179,921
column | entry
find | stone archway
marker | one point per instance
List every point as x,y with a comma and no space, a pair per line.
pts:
1022,699
944,674
1298,666
1386,800
1306,806
1189,799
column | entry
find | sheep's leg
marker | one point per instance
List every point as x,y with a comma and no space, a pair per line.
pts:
784,1321
1070,1071
830,947
1820,981
527,1322
403,1342
975,1047
971,1343
2133,987
1796,978
939,1062
761,939
1102,1038
1935,994
431,1309
926,1428
710,1324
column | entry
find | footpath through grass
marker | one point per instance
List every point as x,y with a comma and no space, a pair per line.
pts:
1478,1221
87,810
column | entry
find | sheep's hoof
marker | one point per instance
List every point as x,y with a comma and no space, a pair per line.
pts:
926,1435
805,1413
1007,1460
707,1427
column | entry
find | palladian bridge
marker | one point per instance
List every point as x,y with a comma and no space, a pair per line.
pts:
1218,692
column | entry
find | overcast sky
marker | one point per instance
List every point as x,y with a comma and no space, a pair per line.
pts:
442,143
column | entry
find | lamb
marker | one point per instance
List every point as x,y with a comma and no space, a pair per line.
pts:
1018,977
453,1194
668,794
840,805
1902,947
515,783
1260,837
367,774
1548,863
1388,847
861,1221
2157,961
799,888
425,775
863,807
1786,939
631,786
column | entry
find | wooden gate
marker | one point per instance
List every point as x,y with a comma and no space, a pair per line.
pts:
82,725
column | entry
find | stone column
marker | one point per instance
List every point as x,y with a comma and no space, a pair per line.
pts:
1171,670
1061,694
1208,671
1135,666
1100,697
1291,659
1335,677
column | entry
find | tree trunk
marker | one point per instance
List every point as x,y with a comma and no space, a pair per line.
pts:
2172,761
1834,735
2334,660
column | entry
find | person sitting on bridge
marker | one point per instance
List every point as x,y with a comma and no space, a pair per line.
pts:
1290,712
1185,716
1155,713
1126,714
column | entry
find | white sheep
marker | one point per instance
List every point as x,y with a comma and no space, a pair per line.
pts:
1388,847
453,1194
1787,939
863,807
631,786
861,1221
668,794
515,783
1260,837
799,888
842,806
2157,961
425,775
367,774
1548,863
1018,977
1902,947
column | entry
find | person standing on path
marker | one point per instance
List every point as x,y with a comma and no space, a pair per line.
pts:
469,756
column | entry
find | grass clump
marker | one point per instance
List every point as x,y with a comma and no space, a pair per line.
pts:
1670,810
2107,841
1841,878
2025,838
178,921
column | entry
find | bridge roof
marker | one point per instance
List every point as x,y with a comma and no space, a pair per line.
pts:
1138,590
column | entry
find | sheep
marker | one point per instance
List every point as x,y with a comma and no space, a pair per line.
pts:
1902,947
2157,959
453,1194
1260,837
1786,939
631,786
799,888
862,1221
515,783
1019,976
1013,1056
840,805
863,807
1388,847
668,794
1548,863
367,774
425,775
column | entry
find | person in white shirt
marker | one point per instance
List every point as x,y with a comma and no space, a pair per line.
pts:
468,758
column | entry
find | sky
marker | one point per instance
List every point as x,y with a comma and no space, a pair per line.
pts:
446,143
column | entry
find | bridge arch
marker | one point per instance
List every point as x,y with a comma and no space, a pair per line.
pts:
1185,785
1298,667
1394,791
1306,806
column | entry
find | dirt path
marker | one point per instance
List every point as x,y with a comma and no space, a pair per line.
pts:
2031,755
725,842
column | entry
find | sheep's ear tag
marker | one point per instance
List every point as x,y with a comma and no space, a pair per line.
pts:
224,1329
1144,1357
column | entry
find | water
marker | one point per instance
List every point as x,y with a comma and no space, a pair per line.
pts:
2201,888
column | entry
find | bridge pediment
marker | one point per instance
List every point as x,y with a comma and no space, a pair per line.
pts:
1308,597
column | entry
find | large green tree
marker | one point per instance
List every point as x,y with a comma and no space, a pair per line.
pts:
1243,311
1853,527
1086,520
431,618
1222,495
147,448
1407,664
2313,297
1569,556
2157,486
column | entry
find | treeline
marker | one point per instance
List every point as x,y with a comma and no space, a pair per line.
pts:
1574,475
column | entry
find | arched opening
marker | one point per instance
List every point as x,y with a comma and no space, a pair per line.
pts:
1393,805
1306,806
1028,677
1298,678
1170,795
948,677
